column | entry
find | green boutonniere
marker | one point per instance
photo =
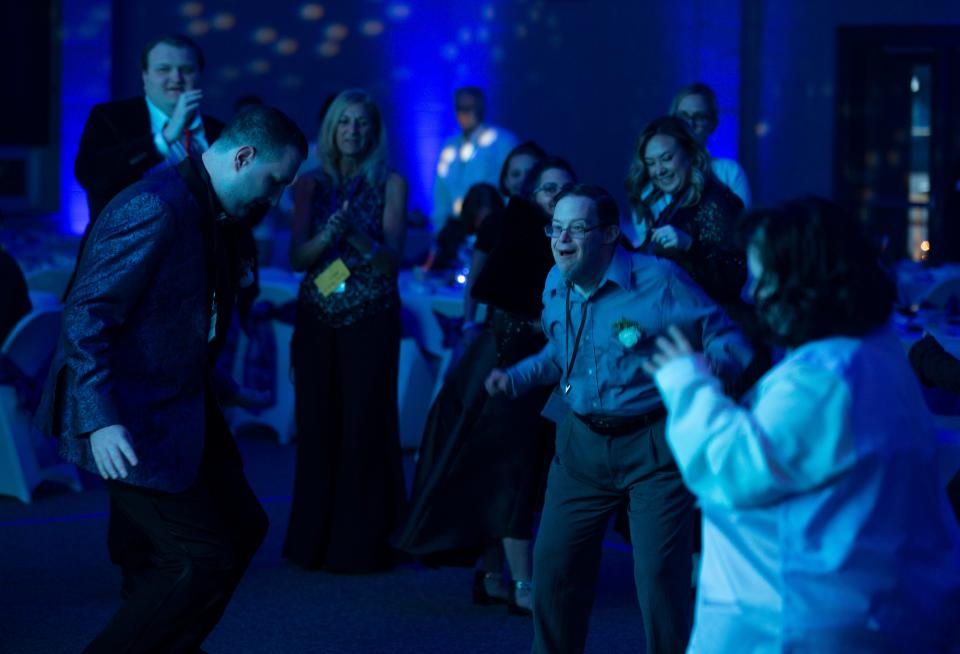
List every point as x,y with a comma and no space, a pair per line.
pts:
628,332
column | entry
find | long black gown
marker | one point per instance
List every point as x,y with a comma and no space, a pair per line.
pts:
483,460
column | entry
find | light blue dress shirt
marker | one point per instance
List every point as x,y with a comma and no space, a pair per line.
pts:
638,291
825,522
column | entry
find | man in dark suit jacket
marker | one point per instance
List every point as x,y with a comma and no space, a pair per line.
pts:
129,391
122,141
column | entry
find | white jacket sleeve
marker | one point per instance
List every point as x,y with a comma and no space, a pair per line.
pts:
795,437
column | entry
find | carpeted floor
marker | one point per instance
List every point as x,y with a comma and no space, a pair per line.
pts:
57,588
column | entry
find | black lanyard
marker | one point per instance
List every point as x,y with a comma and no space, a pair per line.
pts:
576,342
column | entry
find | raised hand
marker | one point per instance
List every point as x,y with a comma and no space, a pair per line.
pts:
183,114
671,346
669,237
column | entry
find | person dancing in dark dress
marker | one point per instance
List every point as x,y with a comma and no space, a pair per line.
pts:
478,479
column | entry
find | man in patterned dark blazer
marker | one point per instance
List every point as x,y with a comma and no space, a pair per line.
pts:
129,394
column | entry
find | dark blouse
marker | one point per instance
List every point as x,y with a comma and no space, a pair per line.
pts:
516,268
14,296
714,260
366,291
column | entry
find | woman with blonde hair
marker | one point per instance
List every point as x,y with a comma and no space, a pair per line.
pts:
682,212
347,236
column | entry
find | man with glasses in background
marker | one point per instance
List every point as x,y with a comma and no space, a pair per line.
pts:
604,308
697,106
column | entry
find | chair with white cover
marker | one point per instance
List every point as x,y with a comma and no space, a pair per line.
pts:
52,280
29,346
942,293
277,289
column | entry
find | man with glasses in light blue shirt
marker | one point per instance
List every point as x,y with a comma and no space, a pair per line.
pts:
604,308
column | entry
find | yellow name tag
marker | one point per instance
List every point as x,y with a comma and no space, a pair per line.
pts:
332,277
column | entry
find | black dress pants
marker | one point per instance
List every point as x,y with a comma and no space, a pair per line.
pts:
348,490
202,538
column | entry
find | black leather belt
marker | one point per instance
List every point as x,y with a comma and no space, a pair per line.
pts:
620,425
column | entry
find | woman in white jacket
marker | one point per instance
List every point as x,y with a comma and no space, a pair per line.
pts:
825,524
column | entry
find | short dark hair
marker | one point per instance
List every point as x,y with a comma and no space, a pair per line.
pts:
175,40
822,272
245,101
608,213
547,163
267,129
528,148
478,197
479,97
701,89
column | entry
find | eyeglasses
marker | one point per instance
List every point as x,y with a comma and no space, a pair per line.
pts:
549,187
576,230
698,118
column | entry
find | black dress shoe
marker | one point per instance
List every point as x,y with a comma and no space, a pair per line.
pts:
480,595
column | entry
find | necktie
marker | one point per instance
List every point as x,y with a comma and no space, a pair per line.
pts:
188,142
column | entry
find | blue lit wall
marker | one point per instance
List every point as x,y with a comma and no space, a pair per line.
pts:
580,77
85,81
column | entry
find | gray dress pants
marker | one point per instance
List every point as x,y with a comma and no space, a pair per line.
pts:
589,478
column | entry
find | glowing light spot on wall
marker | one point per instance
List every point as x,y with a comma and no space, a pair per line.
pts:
465,35
259,66
229,73
449,52
328,49
224,21
520,31
483,34
337,32
287,46
311,11
398,11
467,150
489,12
761,129
265,35
925,246
457,206
487,137
191,9
372,28
198,27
